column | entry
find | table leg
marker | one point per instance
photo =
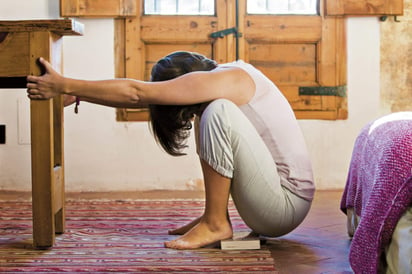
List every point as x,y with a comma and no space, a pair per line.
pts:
46,149
42,150
59,193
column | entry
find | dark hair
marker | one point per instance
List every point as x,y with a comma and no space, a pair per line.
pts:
171,124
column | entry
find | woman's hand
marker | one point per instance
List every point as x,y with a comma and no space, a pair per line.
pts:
46,86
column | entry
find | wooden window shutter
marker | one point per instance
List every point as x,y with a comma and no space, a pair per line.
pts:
98,8
364,7
139,44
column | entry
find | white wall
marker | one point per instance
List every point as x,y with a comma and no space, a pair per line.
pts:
331,142
104,155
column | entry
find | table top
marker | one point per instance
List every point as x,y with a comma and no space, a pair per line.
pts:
59,26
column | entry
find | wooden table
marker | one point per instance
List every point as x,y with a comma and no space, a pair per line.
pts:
21,44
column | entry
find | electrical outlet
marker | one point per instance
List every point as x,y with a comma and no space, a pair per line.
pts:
2,134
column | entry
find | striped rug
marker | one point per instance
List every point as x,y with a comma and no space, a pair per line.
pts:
119,236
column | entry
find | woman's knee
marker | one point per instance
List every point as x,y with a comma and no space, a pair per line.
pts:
218,112
215,145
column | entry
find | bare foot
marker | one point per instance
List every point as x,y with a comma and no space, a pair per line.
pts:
202,234
182,230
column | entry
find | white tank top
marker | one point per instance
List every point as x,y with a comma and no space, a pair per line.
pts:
273,118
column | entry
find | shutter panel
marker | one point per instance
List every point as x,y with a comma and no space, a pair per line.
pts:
364,7
98,8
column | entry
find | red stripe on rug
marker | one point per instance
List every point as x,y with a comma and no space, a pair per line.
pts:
120,236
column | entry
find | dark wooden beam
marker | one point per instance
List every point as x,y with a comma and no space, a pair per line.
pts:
13,82
59,26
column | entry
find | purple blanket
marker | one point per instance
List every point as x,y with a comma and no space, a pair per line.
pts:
378,187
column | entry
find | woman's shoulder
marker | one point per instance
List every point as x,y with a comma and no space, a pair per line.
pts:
237,63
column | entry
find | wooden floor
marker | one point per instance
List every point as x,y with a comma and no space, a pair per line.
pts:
319,245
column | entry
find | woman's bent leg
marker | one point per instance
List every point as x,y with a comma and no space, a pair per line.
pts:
230,144
214,225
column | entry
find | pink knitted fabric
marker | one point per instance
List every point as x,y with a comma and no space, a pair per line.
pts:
379,188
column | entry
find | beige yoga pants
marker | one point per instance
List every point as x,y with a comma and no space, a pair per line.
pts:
230,144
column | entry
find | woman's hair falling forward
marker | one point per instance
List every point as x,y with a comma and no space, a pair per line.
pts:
171,123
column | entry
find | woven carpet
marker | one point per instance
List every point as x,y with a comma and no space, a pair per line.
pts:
120,236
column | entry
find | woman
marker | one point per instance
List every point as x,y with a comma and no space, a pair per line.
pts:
248,140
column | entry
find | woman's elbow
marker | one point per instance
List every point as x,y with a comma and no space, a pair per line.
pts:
140,94
134,99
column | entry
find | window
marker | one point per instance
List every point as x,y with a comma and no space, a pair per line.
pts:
128,8
299,45
282,7
179,7
206,7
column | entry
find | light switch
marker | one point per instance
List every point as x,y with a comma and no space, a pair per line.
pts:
2,134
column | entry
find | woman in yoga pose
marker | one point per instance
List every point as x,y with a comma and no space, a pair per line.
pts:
248,140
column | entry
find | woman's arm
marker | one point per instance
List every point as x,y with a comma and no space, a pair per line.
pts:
196,87
202,86
115,93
